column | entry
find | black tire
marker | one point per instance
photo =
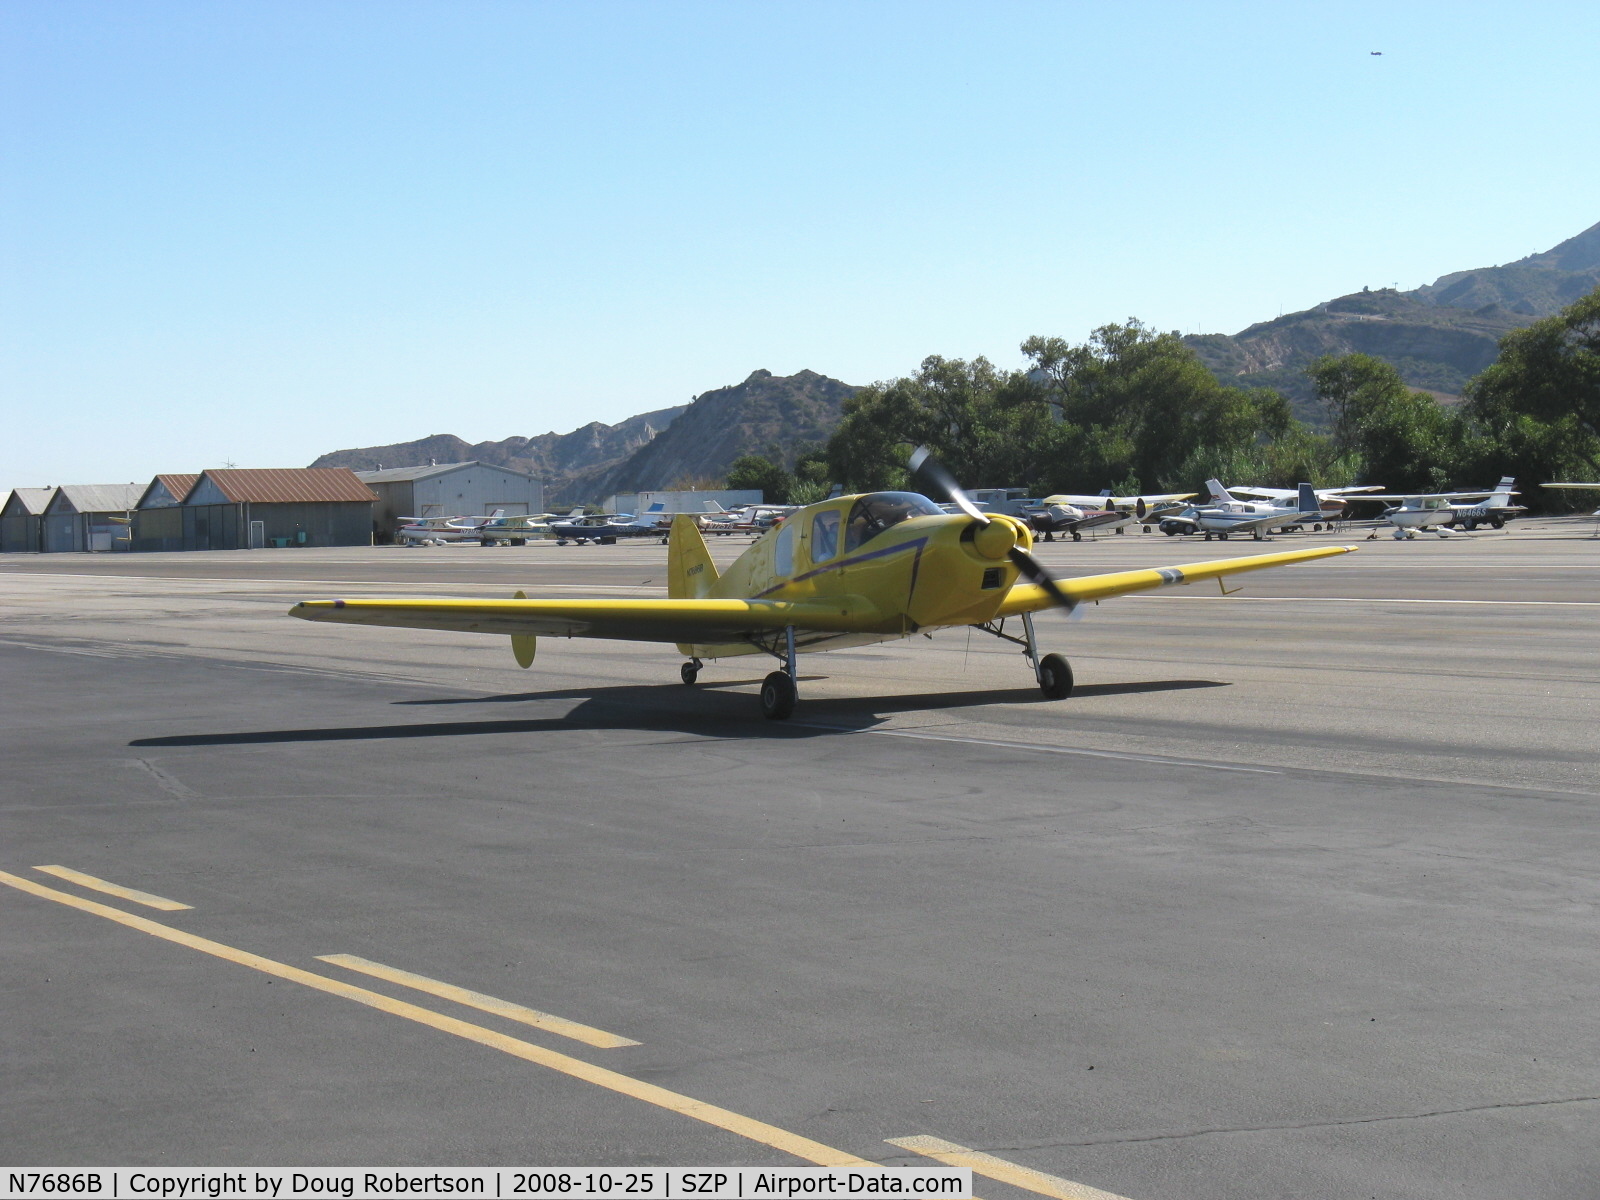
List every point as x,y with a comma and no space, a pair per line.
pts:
485,541
561,541
1147,529
1055,677
1469,526
1076,536
689,673
519,541
778,695
1498,522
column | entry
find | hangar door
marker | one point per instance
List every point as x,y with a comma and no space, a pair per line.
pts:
59,531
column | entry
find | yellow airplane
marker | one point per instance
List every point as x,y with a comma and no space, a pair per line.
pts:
848,571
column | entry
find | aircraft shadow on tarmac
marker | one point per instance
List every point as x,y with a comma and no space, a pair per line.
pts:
647,707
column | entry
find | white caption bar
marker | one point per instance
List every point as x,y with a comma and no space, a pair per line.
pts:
867,1182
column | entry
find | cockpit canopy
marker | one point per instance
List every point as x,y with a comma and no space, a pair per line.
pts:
877,511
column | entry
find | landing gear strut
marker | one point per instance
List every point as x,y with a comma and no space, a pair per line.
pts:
1052,671
778,690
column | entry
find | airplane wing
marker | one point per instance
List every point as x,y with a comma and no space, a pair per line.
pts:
1079,501
1272,522
701,622
1030,597
1432,496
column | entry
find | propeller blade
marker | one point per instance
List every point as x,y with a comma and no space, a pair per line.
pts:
1140,509
923,463
1029,566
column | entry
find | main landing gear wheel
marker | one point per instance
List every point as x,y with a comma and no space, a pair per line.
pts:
690,671
777,696
1055,677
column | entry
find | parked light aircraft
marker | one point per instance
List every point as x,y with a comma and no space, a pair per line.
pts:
1074,514
848,571
752,518
519,530
1577,486
604,530
436,531
1437,511
1334,502
1231,516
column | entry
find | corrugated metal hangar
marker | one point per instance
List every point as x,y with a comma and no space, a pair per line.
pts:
238,509
88,516
466,489
21,529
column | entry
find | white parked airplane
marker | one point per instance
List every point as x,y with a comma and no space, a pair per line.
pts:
1067,513
1231,516
605,530
1583,487
437,531
751,519
1438,511
1332,499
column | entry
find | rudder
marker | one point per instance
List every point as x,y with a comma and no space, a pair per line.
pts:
690,571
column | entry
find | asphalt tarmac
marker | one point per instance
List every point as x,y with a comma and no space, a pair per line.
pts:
1295,896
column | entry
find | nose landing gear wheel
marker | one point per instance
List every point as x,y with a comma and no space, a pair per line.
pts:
777,696
690,671
1055,677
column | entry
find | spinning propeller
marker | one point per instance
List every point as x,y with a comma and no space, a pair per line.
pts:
923,463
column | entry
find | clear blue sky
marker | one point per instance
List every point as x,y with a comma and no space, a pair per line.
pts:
258,231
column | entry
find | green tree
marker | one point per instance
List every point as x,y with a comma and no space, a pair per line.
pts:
1139,405
976,418
1538,404
759,473
1403,439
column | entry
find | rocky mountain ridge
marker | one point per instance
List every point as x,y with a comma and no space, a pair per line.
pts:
689,445
1438,336
556,458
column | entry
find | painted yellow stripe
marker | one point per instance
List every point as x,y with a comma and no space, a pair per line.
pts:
478,1000
721,1118
113,889
999,1169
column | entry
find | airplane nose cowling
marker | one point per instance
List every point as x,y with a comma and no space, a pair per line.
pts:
995,539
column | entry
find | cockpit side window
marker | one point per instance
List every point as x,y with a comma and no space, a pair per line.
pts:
783,551
872,514
824,535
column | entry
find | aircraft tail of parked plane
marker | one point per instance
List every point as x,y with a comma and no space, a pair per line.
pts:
690,571
1220,494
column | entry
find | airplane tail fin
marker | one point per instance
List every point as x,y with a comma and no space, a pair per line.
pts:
1219,494
1310,506
711,506
690,571
1501,497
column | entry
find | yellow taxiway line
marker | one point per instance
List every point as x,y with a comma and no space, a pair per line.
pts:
746,1127
113,889
999,1169
478,1000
